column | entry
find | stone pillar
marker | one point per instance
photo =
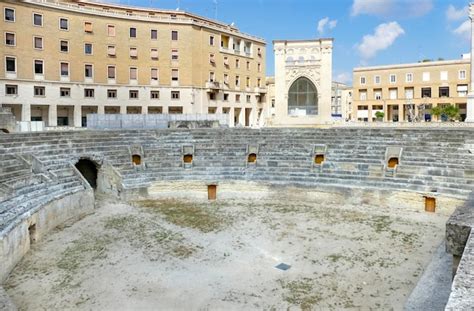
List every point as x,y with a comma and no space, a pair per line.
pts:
231,117
401,112
77,116
144,109
470,96
123,109
25,112
52,115
100,109
369,111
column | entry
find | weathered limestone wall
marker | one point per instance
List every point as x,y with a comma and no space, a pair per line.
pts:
109,180
15,240
5,302
228,190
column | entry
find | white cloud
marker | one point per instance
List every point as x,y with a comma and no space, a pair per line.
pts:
384,36
343,77
453,14
464,30
326,22
391,8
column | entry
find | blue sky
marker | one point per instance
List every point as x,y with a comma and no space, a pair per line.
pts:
366,32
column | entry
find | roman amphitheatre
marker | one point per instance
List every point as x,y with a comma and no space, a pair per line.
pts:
211,219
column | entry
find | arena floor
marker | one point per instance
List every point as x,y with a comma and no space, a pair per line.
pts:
183,255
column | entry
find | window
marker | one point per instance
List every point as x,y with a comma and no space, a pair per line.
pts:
174,55
444,91
259,82
303,98
226,79
154,34
174,94
248,65
259,67
64,46
133,32
226,97
462,74
154,54
63,24
378,94
111,30
37,19
393,78
443,76
376,79
11,89
39,91
174,75
133,94
212,59
409,93
409,77
155,94
133,73
259,52
426,92
88,48
393,93
426,76
462,90
212,76
89,93
133,52
88,71
174,35
175,110
38,43
211,40
10,64
237,98
111,93
226,61
362,80
237,81
237,63
247,82
65,92
154,74
9,15
362,94
212,96
88,27
39,67
64,69
111,50
249,99
111,72
9,38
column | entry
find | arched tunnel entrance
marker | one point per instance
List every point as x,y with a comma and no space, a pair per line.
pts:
89,170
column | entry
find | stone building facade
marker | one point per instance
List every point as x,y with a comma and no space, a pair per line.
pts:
64,59
303,76
408,92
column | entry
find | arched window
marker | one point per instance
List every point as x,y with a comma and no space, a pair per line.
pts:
302,98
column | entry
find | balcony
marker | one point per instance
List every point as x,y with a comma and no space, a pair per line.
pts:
261,90
213,86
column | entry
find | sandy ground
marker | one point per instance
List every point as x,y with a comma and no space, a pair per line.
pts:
175,255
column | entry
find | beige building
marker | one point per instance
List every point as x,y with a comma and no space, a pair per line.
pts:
341,101
408,92
65,59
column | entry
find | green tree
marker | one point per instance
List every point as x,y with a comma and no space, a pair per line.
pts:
379,115
451,112
437,111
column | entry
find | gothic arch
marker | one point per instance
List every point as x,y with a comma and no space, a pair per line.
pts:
303,97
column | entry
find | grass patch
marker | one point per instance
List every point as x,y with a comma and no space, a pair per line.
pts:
188,215
300,293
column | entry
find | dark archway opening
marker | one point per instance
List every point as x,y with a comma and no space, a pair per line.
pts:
136,159
188,158
392,162
4,131
319,159
252,158
89,170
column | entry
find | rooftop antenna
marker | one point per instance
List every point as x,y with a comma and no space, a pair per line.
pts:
215,9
